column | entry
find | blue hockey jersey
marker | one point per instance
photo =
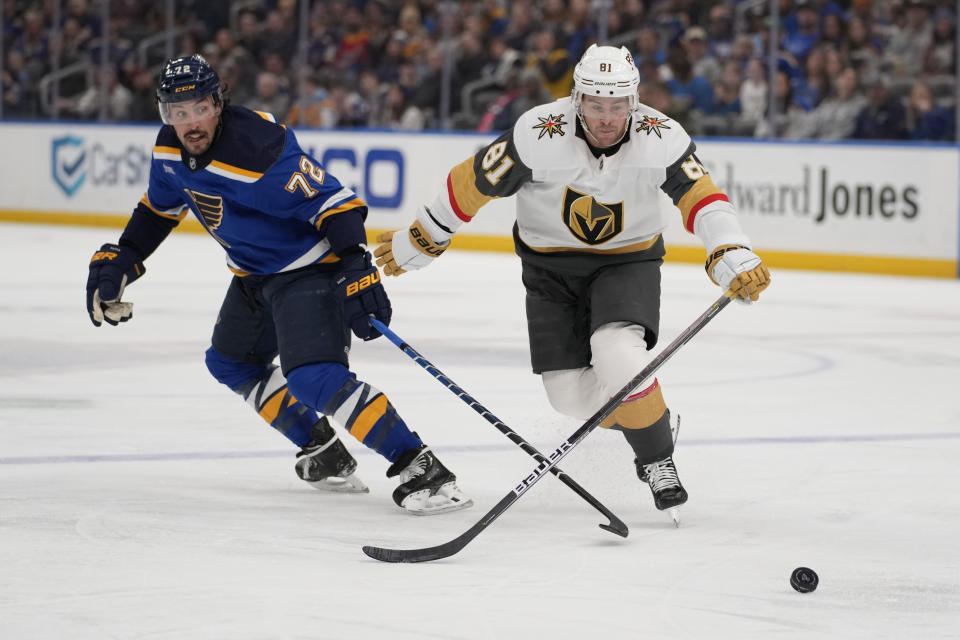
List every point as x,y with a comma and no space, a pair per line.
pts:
272,207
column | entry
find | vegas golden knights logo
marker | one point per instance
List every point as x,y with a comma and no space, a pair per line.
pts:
590,221
211,211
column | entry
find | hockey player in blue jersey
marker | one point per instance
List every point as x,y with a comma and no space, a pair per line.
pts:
295,240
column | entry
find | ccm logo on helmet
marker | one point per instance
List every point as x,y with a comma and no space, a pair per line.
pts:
189,87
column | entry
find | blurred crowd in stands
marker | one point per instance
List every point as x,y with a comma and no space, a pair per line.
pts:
875,69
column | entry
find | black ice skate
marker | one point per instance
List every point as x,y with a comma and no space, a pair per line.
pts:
326,464
668,493
426,486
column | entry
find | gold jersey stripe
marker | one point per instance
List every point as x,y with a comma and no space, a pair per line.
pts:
223,166
271,409
368,417
700,189
630,248
639,413
346,206
179,215
465,198
161,149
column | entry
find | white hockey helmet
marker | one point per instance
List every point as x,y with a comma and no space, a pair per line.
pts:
606,72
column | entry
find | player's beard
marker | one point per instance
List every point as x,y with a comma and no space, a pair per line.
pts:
199,144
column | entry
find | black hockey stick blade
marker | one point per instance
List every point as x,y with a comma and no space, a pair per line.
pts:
615,524
456,545
446,549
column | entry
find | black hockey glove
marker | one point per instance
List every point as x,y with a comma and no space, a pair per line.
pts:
111,269
363,295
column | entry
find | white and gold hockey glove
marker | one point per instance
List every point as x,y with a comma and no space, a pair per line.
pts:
739,272
409,249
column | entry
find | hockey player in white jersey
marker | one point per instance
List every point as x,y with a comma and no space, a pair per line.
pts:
587,172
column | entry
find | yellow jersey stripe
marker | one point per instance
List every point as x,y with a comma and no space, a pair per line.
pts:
177,213
699,190
368,417
230,171
346,206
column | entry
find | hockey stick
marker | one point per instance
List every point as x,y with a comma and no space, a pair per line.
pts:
448,549
616,525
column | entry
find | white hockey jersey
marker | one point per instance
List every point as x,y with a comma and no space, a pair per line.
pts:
571,198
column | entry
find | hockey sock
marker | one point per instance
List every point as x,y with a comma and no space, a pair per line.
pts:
265,389
360,408
644,420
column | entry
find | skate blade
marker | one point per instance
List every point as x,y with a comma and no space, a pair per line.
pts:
675,516
348,484
448,498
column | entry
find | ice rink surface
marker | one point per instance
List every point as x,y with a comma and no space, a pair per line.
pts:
140,499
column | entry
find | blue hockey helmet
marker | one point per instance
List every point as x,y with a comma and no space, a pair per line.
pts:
186,79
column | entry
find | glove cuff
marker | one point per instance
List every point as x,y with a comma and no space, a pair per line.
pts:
423,241
717,254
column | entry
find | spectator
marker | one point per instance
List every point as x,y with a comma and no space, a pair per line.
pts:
143,105
800,41
343,108
787,115
108,96
753,92
268,97
864,50
648,48
925,119
685,86
278,36
553,62
249,27
501,60
836,117
398,112
909,40
308,111
17,96
471,60
522,92
694,42
520,26
720,31
833,31
884,117
811,89
742,50
726,94
579,29
352,49
940,56
388,68
32,44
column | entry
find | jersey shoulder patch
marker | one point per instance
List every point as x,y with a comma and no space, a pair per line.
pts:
661,139
541,134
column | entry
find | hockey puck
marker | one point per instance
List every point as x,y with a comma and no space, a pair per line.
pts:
804,580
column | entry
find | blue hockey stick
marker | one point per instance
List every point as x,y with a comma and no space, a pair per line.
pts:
616,525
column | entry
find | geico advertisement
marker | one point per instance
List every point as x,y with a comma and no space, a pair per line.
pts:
869,199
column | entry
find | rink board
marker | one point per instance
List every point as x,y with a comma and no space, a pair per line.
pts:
883,208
